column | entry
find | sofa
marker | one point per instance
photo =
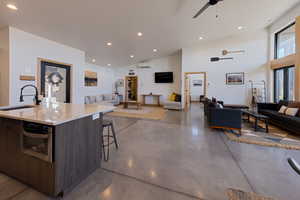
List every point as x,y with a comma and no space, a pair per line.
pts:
103,99
172,105
289,123
224,118
174,102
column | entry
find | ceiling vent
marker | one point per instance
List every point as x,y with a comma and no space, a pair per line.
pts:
143,66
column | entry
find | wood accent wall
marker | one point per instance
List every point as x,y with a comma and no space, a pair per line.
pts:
297,72
27,78
287,61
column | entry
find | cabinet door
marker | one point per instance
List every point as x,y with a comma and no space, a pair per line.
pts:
30,170
3,142
78,151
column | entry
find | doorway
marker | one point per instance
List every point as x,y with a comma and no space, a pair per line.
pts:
195,86
131,89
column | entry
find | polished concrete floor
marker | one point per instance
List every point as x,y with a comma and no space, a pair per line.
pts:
178,158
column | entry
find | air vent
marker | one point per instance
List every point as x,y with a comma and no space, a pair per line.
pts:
143,67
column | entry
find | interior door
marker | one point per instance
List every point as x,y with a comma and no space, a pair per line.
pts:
187,92
197,89
62,90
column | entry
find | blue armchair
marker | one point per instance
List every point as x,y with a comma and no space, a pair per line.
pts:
225,118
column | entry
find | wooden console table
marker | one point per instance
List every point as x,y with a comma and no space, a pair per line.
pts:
127,103
157,96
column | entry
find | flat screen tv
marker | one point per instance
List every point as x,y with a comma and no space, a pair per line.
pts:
164,77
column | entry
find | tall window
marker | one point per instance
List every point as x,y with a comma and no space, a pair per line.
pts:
285,84
284,78
285,42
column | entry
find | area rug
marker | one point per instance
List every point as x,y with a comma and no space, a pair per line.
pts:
275,138
146,112
234,194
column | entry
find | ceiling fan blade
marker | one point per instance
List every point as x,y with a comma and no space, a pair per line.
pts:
202,10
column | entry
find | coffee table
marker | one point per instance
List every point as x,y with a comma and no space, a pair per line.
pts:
236,106
257,117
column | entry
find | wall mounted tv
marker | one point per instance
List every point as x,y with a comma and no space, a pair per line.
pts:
164,77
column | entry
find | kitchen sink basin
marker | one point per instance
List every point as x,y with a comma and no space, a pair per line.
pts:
15,108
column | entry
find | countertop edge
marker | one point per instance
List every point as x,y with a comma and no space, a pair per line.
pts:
3,115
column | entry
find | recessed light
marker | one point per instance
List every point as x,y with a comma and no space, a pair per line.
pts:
200,38
109,44
12,6
131,56
94,60
154,50
108,64
240,27
140,34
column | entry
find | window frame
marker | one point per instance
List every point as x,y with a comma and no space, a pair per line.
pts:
276,38
286,83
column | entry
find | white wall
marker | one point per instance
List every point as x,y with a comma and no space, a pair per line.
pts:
26,48
24,51
4,66
146,83
253,63
105,80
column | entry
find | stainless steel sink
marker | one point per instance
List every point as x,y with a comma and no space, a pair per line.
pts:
15,108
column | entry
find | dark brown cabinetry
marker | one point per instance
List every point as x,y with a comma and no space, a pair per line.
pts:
76,153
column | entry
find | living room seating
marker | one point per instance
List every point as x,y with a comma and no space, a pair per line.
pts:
224,118
172,105
103,99
290,123
174,102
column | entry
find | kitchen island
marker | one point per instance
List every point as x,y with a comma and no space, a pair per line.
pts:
51,147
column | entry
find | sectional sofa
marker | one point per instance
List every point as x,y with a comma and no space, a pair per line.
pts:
283,121
103,99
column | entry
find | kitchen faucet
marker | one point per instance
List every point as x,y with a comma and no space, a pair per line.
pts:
36,95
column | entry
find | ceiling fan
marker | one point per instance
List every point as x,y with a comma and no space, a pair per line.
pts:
209,3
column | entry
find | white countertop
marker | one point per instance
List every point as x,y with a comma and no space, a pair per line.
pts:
55,114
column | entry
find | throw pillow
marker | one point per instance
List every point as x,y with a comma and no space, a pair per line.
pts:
178,98
220,106
92,99
99,98
282,109
107,97
172,97
292,111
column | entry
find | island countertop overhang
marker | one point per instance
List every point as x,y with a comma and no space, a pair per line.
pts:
56,114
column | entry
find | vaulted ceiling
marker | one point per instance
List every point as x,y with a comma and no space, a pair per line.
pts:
167,25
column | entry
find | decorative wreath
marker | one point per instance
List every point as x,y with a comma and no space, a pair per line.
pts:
55,78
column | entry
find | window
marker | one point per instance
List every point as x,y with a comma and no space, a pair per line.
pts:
284,84
285,42
284,78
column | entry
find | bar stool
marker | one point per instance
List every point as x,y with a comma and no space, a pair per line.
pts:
111,134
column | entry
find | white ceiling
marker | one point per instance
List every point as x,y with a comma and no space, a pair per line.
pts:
167,25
